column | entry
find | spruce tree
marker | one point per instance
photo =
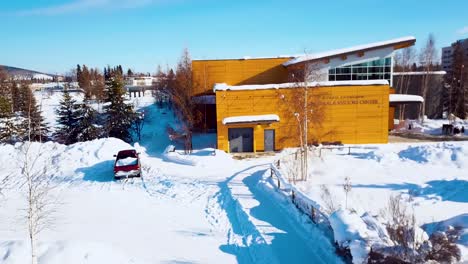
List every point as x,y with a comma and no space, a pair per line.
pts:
32,126
6,122
88,128
78,73
67,119
119,114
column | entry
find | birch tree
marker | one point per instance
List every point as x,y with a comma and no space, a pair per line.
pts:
306,109
427,60
37,186
404,62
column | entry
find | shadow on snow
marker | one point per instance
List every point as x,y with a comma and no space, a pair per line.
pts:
287,244
451,190
99,172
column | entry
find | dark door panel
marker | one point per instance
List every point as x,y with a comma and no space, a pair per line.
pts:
269,139
240,139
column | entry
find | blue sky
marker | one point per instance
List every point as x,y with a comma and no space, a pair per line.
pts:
54,35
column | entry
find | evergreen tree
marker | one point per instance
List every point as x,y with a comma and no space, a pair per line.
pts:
67,119
78,72
32,127
120,70
119,114
87,127
129,73
6,123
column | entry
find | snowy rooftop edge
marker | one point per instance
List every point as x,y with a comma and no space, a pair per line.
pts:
226,87
420,73
325,54
253,58
250,119
399,98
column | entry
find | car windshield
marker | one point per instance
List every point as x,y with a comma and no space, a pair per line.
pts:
126,154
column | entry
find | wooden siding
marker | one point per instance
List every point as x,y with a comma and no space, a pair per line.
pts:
206,73
348,114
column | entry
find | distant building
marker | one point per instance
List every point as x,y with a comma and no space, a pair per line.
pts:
137,85
447,54
144,81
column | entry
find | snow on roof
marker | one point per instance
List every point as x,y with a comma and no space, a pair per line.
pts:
405,98
337,52
252,58
225,87
421,73
251,119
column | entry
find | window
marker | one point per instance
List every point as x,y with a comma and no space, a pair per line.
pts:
372,70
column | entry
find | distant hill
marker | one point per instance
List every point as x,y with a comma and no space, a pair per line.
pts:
23,74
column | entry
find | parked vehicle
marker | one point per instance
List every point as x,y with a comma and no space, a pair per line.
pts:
127,164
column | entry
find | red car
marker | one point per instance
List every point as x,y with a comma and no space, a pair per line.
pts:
127,164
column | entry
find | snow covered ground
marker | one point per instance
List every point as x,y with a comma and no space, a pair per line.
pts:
429,126
432,176
212,209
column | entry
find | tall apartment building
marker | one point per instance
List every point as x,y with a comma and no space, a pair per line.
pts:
447,54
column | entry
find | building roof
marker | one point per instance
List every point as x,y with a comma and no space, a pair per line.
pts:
251,58
225,87
405,98
420,73
251,119
399,42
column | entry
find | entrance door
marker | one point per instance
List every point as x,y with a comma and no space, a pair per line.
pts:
240,139
269,138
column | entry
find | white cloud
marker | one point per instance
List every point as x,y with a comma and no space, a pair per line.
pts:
463,31
80,5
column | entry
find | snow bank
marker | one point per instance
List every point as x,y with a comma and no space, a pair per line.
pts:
172,156
351,232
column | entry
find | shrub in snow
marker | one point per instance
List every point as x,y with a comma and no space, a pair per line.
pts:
401,226
444,248
347,189
328,200
352,235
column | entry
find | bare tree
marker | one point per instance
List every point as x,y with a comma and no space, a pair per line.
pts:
182,92
138,123
427,59
306,108
404,61
458,99
37,184
41,205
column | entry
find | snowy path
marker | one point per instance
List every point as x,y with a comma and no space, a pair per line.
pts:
266,226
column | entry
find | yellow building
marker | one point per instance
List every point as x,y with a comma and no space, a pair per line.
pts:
258,108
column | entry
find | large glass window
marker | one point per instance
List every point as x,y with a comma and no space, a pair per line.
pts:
372,70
